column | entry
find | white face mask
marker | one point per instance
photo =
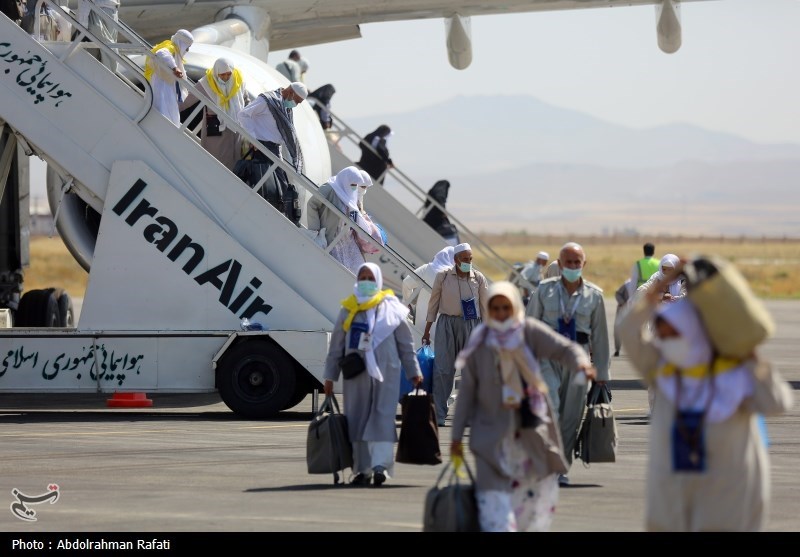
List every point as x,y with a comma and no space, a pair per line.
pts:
361,193
500,326
676,350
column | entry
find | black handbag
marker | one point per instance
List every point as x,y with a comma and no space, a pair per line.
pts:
244,168
597,437
419,433
328,446
352,365
453,507
212,125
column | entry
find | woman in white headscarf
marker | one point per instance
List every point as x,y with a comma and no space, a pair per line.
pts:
372,227
224,85
414,295
342,191
673,289
708,466
165,74
372,323
503,398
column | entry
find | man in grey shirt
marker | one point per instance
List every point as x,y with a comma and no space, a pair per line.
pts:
575,308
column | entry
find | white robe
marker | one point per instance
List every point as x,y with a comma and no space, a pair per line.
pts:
165,98
413,290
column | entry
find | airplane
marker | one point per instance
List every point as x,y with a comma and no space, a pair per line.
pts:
285,24
259,27
77,192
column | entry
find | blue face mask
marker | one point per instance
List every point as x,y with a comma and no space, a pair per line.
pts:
572,275
367,288
288,103
465,267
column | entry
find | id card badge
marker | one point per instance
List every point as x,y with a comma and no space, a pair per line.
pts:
688,442
567,328
356,332
365,343
469,309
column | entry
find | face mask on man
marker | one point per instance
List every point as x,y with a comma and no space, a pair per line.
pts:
676,350
361,193
353,187
465,267
289,103
572,275
500,326
367,288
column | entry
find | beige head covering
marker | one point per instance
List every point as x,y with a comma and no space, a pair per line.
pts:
517,361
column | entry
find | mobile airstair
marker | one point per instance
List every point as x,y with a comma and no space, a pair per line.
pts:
184,250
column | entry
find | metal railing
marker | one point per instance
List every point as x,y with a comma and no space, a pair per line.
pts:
344,131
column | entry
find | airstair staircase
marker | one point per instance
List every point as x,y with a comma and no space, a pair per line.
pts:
115,151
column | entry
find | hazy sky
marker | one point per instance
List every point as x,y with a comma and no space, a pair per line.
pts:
737,70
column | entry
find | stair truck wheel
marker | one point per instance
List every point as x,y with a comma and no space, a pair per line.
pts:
299,395
256,379
65,309
38,308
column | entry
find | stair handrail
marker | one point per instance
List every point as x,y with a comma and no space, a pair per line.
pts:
422,195
78,42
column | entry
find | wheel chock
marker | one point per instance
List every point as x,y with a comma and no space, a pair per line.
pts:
129,400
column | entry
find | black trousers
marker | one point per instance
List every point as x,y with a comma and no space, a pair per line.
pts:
276,189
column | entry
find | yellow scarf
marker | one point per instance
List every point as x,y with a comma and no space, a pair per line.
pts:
224,100
351,304
148,66
721,365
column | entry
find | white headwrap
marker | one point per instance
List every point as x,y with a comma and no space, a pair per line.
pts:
367,177
382,320
670,261
727,389
183,39
299,88
442,260
222,65
543,255
341,185
461,247
236,103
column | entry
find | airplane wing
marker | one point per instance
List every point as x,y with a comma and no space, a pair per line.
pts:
295,23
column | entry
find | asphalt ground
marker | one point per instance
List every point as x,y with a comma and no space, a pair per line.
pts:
188,464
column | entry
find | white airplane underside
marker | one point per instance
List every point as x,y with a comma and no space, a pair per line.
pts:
284,24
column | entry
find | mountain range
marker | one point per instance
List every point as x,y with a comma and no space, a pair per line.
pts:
517,163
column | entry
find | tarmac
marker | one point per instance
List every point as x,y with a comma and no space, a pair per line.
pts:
188,464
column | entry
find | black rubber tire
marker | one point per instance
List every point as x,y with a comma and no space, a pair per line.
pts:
65,309
256,379
38,308
299,395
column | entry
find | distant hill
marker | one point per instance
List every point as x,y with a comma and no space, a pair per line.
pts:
482,133
739,198
516,163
